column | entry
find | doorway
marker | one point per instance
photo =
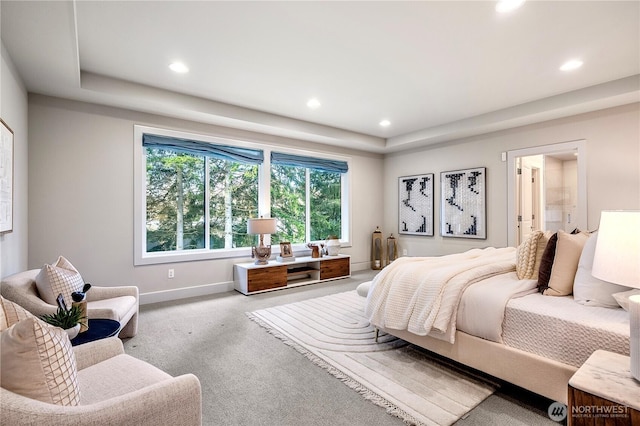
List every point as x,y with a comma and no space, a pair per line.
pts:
529,190
546,189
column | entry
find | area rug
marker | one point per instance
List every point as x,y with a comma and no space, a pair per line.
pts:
333,333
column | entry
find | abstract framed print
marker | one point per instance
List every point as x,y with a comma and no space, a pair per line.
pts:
463,204
415,199
6,178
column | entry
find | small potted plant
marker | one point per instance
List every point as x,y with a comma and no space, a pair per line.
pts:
67,319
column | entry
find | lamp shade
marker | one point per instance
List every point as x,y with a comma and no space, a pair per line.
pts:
617,256
261,226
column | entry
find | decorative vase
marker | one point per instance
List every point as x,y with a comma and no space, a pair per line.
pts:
73,331
332,244
84,322
377,249
315,250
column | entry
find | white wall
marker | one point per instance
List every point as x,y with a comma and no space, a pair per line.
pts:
613,171
81,196
13,110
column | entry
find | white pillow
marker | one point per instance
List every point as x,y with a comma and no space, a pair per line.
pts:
60,278
526,256
589,290
38,362
363,289
11,313
623,298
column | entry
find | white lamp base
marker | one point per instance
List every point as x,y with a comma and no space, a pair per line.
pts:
634,335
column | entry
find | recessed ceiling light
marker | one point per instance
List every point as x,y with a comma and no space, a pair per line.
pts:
313,103
385,123
179,67
504,6
571,65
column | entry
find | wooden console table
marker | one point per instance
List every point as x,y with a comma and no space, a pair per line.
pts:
249,278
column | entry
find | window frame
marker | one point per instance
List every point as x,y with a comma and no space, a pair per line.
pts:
142,257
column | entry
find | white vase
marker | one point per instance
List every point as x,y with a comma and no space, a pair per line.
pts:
333,246
73,331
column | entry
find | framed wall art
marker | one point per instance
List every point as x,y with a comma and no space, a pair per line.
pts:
462,203
6,178
415,200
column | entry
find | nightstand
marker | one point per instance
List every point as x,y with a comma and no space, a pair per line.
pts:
603,392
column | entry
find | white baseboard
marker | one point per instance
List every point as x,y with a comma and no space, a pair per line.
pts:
183,293
360,266
203,290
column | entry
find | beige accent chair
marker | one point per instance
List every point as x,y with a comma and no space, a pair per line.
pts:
116,303
115,389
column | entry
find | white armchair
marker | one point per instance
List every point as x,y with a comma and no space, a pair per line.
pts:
116,303
115,389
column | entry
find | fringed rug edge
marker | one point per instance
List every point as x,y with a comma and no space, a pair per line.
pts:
349,381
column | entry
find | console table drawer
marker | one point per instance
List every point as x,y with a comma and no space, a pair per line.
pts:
334,268
266,278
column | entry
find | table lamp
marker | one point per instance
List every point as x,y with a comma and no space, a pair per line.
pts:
260,227
617,260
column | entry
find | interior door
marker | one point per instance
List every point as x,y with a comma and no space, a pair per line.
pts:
526,213
574,174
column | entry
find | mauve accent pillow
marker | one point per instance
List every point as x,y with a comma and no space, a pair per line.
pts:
546,263
542,245
565,263
589,290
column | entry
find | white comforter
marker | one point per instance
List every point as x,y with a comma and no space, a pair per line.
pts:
482,306
421,294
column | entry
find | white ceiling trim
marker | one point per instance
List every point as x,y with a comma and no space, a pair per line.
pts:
614,93
44,42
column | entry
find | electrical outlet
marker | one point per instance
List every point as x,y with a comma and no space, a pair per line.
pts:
404,252
171,273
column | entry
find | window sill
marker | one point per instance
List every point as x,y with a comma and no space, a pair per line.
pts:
158,258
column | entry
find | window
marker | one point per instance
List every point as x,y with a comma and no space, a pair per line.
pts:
195,193
175,200
306,197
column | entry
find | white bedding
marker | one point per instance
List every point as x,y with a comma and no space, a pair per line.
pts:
481,310
421,295
563,330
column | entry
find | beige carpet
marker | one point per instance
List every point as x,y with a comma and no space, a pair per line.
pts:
333,333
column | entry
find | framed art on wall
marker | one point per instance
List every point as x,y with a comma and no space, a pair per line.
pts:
6,178
415,204
462,203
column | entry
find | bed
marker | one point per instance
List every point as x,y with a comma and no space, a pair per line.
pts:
489,309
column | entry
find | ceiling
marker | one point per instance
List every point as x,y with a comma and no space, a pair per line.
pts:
438,71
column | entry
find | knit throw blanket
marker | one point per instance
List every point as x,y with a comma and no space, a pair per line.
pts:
421,294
